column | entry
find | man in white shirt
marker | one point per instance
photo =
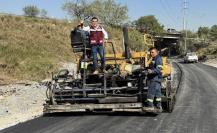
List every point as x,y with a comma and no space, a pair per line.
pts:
97,36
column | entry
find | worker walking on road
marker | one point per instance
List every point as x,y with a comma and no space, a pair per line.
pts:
154,78
97,36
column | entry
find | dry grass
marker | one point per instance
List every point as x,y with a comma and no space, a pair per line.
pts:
210,51
32,48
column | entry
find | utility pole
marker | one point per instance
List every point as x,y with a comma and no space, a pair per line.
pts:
185,23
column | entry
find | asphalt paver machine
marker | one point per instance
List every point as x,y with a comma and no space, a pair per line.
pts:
120,86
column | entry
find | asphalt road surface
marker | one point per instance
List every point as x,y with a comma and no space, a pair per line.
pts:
195,112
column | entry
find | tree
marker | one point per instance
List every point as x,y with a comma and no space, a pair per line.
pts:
108,11
213,32
190,40
31,11
77,8
203,32
43,13
149,24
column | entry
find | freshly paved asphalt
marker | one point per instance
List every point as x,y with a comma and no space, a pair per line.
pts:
195,112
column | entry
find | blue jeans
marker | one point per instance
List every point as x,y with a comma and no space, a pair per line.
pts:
95,50
154,91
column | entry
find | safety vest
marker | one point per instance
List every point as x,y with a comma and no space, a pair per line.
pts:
96,35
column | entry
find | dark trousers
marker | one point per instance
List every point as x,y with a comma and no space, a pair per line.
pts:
98,49
154,91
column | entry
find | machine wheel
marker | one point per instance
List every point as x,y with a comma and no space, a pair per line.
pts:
168,88
171,104
52,100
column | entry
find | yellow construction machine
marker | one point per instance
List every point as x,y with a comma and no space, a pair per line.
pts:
122,88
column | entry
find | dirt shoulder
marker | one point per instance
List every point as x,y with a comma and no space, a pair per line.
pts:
211,62
23,100
20,102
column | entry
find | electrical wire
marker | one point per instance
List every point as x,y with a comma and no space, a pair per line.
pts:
167,11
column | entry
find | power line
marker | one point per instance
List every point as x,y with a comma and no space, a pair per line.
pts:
165,13
176,18
168,10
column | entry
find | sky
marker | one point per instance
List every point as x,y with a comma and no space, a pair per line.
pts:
168,12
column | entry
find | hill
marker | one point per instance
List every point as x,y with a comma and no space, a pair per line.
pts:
32,48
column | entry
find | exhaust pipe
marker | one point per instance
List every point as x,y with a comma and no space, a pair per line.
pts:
126,42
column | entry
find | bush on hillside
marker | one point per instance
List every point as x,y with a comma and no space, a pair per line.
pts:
31,11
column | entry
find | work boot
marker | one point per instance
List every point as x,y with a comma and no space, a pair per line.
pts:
148,109
159,109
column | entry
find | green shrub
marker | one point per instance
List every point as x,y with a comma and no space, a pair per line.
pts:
31,11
